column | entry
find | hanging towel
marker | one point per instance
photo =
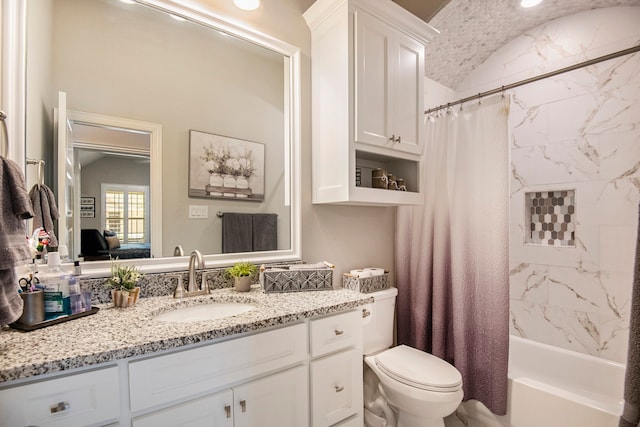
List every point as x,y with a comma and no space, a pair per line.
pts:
15,207
265,232
631,411
237,232
45,210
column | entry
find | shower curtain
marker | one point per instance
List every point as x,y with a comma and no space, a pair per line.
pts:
452,252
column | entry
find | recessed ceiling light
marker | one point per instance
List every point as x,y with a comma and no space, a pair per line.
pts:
128,1
247,4
529,3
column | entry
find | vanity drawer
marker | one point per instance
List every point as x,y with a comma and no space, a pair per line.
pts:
162,379
333,333
336,387
74,400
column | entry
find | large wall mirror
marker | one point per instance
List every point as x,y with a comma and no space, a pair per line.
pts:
158,71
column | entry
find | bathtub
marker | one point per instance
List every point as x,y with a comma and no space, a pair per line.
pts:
553,387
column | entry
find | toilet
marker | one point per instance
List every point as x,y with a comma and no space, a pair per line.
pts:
403,387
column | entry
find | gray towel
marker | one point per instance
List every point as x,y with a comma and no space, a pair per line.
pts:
10,302
15,207
45,211
631,412
237,232
265,232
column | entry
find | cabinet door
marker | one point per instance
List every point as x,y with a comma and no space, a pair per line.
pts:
407,88
210,411
372,73
277,400
336,387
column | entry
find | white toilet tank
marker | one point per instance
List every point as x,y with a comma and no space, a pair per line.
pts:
378,325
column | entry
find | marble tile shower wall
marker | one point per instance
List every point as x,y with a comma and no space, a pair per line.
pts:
577,131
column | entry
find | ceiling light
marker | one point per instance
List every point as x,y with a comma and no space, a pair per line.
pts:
529,3
128,1
247,4
176,17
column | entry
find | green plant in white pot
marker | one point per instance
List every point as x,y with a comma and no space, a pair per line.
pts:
243,273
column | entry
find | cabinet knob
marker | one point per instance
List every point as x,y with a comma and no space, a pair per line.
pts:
338,332
227,410
60,407
393,138
398,139
365,313
243,405
339,388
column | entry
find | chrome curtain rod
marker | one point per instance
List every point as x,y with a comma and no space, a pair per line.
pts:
537,78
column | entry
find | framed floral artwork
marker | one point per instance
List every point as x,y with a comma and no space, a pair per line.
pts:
222,167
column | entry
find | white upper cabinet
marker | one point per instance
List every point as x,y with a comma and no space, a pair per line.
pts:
367,71
389,71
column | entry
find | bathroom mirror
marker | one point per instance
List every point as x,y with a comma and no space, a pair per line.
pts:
183,69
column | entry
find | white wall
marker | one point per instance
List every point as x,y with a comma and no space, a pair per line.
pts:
575,131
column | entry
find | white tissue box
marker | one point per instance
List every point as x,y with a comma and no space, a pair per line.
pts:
281,279
366,285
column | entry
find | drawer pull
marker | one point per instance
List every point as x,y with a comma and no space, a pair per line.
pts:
365,313
339,388
243,405
338,332
60,407
227,410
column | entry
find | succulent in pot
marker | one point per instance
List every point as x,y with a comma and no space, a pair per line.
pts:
243,273
124,284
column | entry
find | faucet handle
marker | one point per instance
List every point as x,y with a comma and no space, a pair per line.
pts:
179,292
204,285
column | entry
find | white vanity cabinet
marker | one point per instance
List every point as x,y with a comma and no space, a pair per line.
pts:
305,374
89,398
275,400
336,369
367,100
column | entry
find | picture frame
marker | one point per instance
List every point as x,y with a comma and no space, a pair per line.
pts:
87,207
222,167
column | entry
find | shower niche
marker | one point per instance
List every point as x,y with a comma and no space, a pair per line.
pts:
550,218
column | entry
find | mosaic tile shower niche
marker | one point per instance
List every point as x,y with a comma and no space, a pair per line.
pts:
551,218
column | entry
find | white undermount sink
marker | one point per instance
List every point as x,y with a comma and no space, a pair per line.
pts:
210,311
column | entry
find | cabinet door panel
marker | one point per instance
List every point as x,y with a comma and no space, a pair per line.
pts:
409,117
372,68
209,411
336,387
277,400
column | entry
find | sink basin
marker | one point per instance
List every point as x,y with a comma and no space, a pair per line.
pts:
211,311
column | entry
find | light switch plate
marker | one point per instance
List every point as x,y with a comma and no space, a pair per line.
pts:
198,212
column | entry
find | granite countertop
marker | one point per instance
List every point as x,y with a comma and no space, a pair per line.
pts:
117,333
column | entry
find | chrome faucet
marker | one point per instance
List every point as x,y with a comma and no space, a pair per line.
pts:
195,257
195,262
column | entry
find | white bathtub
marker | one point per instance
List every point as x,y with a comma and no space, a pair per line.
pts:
553,387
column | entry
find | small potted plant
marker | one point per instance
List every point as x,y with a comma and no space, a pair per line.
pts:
242,273
123,283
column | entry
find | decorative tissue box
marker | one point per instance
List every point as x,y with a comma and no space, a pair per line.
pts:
297,278
366,284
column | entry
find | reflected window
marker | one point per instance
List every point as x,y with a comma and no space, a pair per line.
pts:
125,210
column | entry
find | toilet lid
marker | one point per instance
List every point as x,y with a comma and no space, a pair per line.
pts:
419,369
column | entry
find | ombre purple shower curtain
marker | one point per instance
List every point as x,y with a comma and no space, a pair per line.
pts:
452,252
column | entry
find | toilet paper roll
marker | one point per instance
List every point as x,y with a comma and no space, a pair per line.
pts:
375,271
360,273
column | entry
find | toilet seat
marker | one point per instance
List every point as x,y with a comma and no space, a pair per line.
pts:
418,369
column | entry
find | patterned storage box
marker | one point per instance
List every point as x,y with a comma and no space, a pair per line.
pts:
366,284
283,279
